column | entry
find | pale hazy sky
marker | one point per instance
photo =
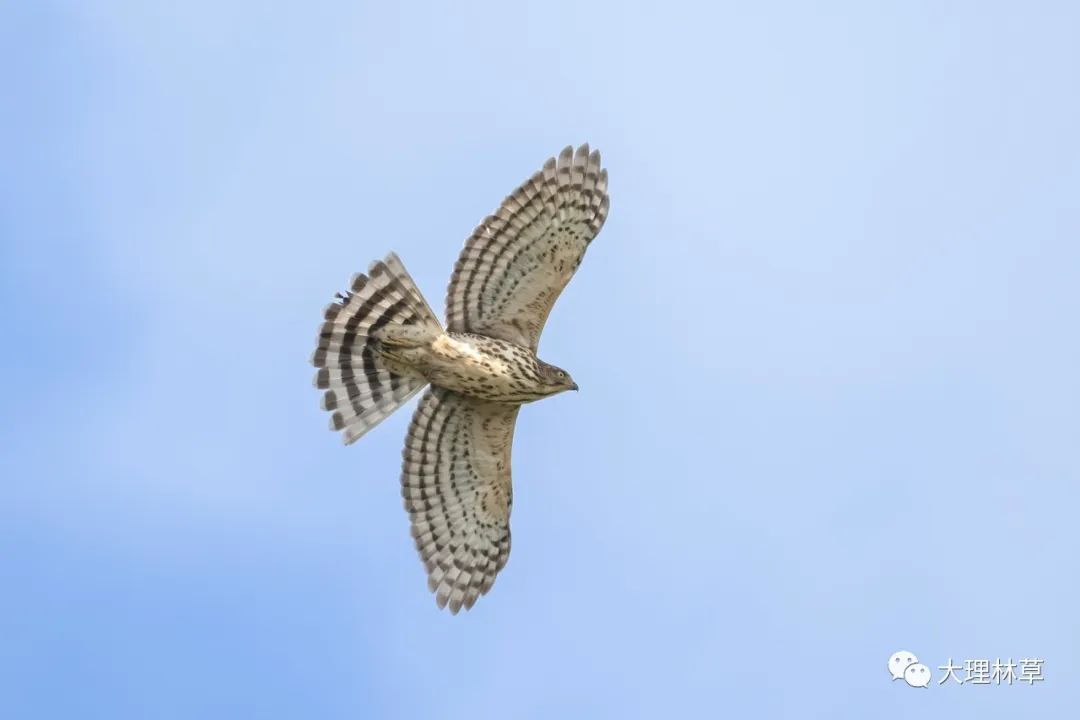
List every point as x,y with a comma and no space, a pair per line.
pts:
827,345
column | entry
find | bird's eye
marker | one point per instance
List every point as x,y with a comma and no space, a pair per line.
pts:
562,374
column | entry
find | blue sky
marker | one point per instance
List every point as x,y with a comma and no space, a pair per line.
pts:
826,343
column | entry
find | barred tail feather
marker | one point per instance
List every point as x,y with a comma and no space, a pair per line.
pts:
361,390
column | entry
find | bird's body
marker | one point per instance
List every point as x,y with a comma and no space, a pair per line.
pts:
477,366
380,344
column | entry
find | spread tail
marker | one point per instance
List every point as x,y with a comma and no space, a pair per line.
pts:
361,389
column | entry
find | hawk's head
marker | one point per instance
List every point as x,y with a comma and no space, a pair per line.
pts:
556,379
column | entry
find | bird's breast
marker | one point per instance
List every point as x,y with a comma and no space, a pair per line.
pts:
483,367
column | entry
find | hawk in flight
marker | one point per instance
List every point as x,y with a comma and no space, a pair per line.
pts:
380,344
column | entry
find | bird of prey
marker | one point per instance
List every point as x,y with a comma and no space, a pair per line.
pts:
380,344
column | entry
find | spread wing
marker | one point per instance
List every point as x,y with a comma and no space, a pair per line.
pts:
517,261
455,480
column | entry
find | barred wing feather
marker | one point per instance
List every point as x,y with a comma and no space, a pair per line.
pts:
517,261
455,481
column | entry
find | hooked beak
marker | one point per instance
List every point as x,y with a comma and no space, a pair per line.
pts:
574,386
